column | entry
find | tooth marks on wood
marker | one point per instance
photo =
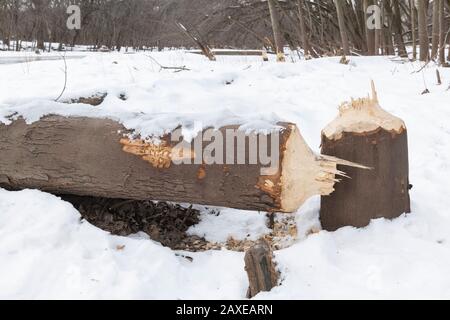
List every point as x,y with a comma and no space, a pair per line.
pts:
158,155
365,133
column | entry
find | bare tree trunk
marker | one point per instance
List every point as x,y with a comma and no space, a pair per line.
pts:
413,27
398,30
442,32
389,46
436,29
40,28
361,23
378,40
387,28
275,19
370,33
447,36
304,36
342,27
423,32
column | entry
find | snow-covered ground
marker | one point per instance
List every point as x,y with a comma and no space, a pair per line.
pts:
47,252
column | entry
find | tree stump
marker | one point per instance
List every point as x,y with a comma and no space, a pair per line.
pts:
261,271
365,133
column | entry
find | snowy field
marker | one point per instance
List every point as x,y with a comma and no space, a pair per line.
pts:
47,252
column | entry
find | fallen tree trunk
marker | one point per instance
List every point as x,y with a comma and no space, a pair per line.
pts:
365,133
223,52
97,157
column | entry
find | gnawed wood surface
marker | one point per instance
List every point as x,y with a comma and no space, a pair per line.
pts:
366,134
93,157
260,268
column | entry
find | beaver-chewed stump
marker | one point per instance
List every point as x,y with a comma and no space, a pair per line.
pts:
365,133
101,158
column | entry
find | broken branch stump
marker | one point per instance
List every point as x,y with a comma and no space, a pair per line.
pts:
365,133
260,268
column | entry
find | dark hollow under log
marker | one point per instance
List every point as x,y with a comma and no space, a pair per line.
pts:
93,157
366,134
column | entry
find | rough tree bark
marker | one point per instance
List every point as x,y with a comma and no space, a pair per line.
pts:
423,32
398,30
436,30
366,133
276,27
40,22
413,27
91,157
303,34
370,33
442,32
448,33
260,268
342,27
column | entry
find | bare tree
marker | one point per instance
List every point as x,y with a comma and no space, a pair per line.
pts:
435,32
423,32
370,33
342,27
303,35
442,32
397,26
40,22
412,4
276,30
321,28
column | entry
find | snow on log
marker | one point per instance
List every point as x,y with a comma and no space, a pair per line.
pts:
100,158
365,133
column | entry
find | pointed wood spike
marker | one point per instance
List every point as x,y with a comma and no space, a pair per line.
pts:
374,92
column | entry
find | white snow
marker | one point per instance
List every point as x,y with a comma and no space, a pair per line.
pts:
46,252
230,223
